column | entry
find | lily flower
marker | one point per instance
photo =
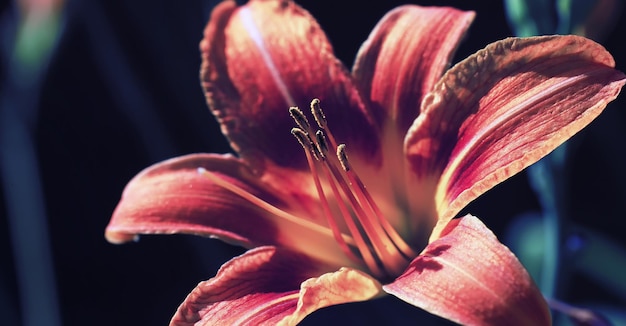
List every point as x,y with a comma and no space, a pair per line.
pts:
364,201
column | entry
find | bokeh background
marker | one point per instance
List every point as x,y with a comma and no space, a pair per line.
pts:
94,91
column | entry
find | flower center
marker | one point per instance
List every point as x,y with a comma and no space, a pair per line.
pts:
347,205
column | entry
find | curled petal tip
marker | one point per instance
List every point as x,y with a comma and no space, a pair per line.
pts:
475,133
120,237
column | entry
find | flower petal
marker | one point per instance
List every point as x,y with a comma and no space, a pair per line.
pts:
343,286
469,277
504,108
172,197
263,286
261,58
255,286
404,56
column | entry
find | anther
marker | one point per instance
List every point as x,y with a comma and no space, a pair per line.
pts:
302,138
307,143
322,145
299,117
318,114
343,157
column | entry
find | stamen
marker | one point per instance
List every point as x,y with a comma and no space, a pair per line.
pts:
367,258
381,244
343,157
302,138
364,248
318,114
406,250
362,192
397,240
322,145
320,118
376,240
306,142
323,201
300,118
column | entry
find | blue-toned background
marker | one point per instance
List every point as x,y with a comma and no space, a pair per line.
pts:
119,91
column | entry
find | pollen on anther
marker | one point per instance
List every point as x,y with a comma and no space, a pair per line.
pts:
302,138
306,142
321,142
343,157
299,117
318,114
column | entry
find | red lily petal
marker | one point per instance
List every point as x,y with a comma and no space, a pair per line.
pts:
172,197
404,56
504,108
469,277
263,286
253,287
261,58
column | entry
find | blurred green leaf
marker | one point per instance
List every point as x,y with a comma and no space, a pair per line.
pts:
35,39
530,17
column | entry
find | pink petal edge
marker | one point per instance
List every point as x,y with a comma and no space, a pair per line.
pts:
172,197
469,277
268,285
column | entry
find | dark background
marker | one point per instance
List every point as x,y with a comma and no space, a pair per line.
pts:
122,92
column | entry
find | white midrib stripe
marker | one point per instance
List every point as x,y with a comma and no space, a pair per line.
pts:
253,31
